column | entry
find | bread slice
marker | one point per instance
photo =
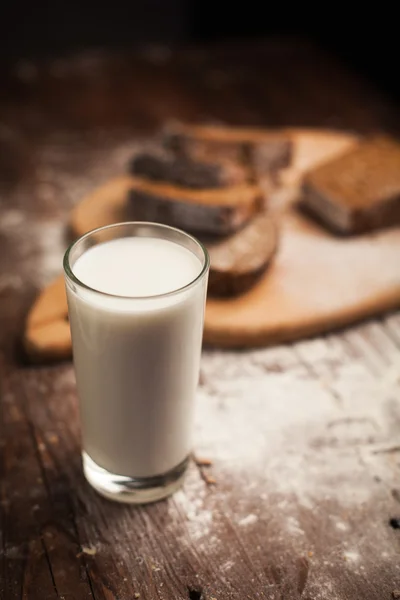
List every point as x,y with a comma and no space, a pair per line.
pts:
236,262
183,170
358,191
213,211
262,151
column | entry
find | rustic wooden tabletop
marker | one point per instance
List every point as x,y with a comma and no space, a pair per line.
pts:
304,438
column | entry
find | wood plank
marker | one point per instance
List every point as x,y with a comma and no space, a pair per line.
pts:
360,429
39,539
276,531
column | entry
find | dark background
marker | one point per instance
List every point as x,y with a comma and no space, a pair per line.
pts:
364,38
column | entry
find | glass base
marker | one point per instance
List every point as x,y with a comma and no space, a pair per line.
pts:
133,490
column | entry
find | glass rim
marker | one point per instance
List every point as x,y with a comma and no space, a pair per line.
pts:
72,277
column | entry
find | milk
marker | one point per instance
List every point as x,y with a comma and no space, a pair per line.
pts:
137,352
137,267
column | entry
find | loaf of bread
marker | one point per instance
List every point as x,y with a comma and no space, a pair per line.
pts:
237,261
216,211
169,167
359,191
261,151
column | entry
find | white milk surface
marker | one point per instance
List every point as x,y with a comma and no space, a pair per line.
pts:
137,266
137,358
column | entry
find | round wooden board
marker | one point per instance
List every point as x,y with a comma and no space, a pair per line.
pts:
318,281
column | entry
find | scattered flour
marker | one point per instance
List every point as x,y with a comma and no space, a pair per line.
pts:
262,415
40,249
189,503
11,219
37,242
341,526
293,526
248,520
352,556
229,564
50,238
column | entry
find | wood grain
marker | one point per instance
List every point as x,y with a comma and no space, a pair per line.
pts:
303,437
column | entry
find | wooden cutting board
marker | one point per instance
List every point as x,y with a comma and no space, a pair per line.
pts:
317,282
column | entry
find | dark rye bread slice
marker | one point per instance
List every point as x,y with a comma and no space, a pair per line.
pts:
359,191
237,261
218,211
182,170
262,151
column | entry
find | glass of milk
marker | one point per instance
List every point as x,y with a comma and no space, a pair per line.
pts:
136,297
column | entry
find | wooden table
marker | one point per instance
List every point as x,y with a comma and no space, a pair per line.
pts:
304,438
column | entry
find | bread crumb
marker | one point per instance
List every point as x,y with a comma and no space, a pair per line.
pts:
310,554
89,550
208,479
202,461
136,595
